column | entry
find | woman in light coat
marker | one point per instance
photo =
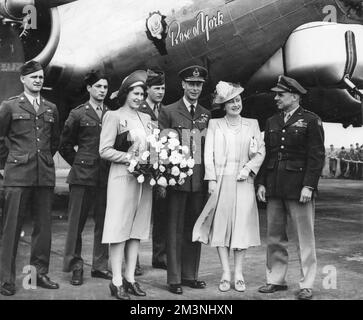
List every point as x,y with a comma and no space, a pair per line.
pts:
128,211
234,152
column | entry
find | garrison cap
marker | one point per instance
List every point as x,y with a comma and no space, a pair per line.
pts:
287,84
155,77
94,76
194,73
30,67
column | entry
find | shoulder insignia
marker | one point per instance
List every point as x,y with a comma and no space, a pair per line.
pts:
12,98
79,107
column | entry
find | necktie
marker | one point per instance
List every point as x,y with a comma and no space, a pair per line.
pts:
99,112
156,109
287,117
35,105
192,107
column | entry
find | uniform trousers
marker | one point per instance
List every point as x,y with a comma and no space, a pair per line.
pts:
301,217
183,255
159,215
19,200
83,200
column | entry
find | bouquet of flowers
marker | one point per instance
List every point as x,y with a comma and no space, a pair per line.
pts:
166,163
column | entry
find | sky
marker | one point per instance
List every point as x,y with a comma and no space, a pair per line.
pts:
338,136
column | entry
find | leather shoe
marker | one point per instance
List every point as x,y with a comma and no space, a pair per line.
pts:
118,292
77,277
175,288
195,284
104,274
133,288
305,294
7,289
271,288
43,281
159,265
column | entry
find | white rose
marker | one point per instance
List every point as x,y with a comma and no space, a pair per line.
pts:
191,162
155,165
162,182
181,181
163,154
152,182
133,163
190,172
172,182
183,175
151,139
140,178
163,139
131,169
185,149
162,169
156,131
154,25
175,171
172,134
183,163
145,155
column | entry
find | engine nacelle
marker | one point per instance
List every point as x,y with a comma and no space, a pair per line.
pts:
318,54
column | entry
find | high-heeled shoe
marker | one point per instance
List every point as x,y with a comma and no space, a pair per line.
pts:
133,288
239,285
119,292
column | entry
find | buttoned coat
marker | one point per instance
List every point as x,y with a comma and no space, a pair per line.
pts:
28,142
83,129
191,132
295,154
216,153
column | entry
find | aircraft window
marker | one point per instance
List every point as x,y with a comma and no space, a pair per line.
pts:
353,9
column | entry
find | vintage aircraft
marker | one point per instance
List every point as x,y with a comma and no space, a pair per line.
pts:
246,41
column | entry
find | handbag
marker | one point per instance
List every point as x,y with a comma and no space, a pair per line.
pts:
122,142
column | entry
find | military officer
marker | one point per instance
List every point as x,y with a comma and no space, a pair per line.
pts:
185,202
289,177
155,89
87,179
29,123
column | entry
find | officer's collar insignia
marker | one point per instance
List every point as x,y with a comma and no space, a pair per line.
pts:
300,123
196,73
87,106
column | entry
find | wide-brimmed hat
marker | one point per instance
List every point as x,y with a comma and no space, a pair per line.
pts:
287,84
136,78
226,91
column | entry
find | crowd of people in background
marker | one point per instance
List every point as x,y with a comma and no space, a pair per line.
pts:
344,163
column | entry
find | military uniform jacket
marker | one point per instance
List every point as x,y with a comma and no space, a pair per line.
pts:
31,140
192,132
295,154
145,108
83,129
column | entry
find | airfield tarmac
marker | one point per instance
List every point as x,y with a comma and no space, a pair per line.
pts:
339,243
